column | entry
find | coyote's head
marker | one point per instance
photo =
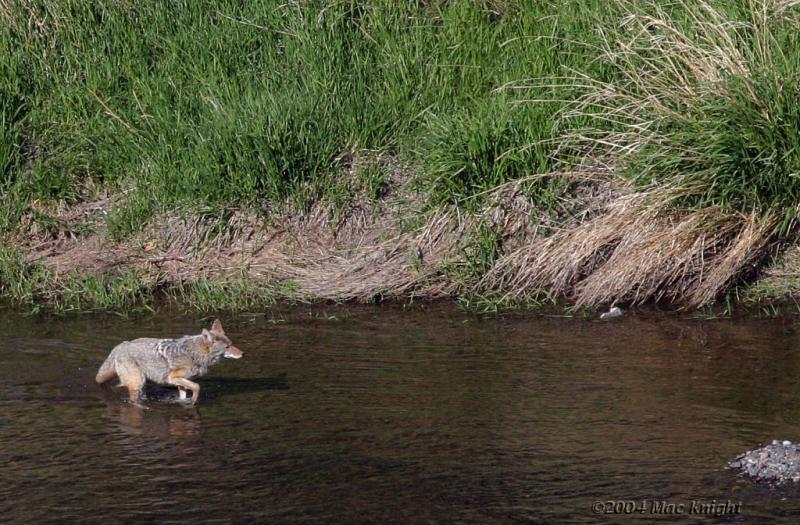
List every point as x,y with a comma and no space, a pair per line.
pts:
218,343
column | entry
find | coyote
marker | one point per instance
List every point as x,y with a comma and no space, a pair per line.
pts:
167,361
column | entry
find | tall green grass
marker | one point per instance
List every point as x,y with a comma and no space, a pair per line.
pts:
704,97
227,103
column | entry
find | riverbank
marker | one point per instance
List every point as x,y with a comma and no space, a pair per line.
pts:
501,154
369,250
496,257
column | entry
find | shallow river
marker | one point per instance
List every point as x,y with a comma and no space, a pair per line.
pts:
379,415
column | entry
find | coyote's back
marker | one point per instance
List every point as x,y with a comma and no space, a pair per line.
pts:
139,349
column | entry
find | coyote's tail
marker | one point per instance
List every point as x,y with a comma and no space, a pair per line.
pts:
107,370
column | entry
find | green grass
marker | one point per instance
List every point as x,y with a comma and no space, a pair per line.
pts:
231,295
230,103
34,288
705,98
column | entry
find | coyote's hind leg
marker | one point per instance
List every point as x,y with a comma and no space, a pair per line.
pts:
133,379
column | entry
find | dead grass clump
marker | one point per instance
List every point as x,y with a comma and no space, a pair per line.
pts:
634,252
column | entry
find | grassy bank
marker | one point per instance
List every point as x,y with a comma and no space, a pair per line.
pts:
224,103
501,152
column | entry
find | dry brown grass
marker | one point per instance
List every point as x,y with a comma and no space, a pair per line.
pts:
635,252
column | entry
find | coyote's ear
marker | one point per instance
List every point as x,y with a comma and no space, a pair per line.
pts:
216,327
208,337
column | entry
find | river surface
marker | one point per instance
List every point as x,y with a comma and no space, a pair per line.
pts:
379,415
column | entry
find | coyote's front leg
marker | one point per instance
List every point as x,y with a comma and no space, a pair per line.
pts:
176,377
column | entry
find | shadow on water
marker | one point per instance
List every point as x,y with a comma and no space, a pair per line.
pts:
213,388
400,417
216,387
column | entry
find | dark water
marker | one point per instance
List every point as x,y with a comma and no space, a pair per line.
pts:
385,416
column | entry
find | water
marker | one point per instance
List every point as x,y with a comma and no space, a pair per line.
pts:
376,415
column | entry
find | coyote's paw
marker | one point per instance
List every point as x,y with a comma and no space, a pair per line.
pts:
138,404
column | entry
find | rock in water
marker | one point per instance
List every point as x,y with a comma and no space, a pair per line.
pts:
614,312
776,463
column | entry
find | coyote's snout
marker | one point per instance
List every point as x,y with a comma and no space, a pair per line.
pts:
167,361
